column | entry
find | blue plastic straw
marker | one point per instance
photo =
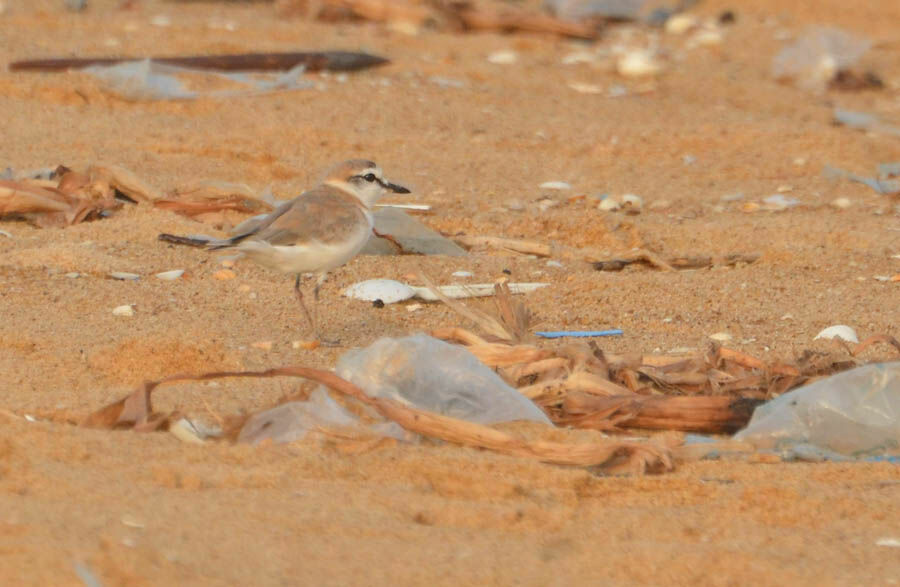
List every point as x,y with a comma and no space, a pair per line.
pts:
580,333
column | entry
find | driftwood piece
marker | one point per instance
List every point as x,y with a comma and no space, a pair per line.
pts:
316,61
704,414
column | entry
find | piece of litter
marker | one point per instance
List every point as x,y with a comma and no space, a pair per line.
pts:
423,207
170,275
580,333
126,310
123,276
505,57
891,542
474,290
462,274
838,331
555,185
778,202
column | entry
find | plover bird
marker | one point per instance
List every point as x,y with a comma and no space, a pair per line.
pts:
319,230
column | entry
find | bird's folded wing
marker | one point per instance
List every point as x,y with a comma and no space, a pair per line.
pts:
320,215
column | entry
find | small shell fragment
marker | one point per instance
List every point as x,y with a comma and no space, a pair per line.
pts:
838,331
386,290
609,205
841,203
224,274
679,24
505,57
462,274
638,63
126,310
721,337
263,345
555,185
170,275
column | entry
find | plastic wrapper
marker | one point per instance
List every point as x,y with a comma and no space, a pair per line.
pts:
854,413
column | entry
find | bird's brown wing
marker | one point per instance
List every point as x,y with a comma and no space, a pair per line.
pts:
323,214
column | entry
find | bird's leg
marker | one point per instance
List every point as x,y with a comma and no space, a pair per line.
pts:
312,318
309,318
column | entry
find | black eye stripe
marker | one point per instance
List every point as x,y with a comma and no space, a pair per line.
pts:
370,177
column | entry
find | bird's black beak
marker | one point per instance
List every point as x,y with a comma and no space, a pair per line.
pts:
397,189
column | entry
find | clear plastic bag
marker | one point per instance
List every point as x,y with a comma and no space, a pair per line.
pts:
855,413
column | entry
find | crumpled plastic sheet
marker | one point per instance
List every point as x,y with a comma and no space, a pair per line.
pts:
815,58
853,413
149,80
419,371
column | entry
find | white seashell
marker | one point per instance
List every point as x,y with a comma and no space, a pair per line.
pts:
632,201
842,203
555,185
462,274
125,310
505,57
721,337
386,290
638,63
679,24
170,275
707,38
609,205
838,331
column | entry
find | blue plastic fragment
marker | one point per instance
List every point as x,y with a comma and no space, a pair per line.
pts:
580,333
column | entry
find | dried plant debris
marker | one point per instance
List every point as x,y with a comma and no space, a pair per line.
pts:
135,412
712,392
448,15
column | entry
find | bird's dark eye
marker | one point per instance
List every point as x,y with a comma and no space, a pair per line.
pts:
369,177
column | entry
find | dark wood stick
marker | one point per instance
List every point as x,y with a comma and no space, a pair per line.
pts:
316,61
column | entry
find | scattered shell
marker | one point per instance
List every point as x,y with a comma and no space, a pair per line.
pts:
161,20
6,234
552,263
386,290
263,345
504,57
751,207
707,38
555,185
546,204
631,202
579,57
778,202
585,88
783,189
838,331
609,204
227,263
413,307
679,24
842,203
638,63
306,345
514,205
462,274
732,197
721,337
73,275
123,276
131,521
126,310
891,542
185,431
224,274
883,278
170,275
